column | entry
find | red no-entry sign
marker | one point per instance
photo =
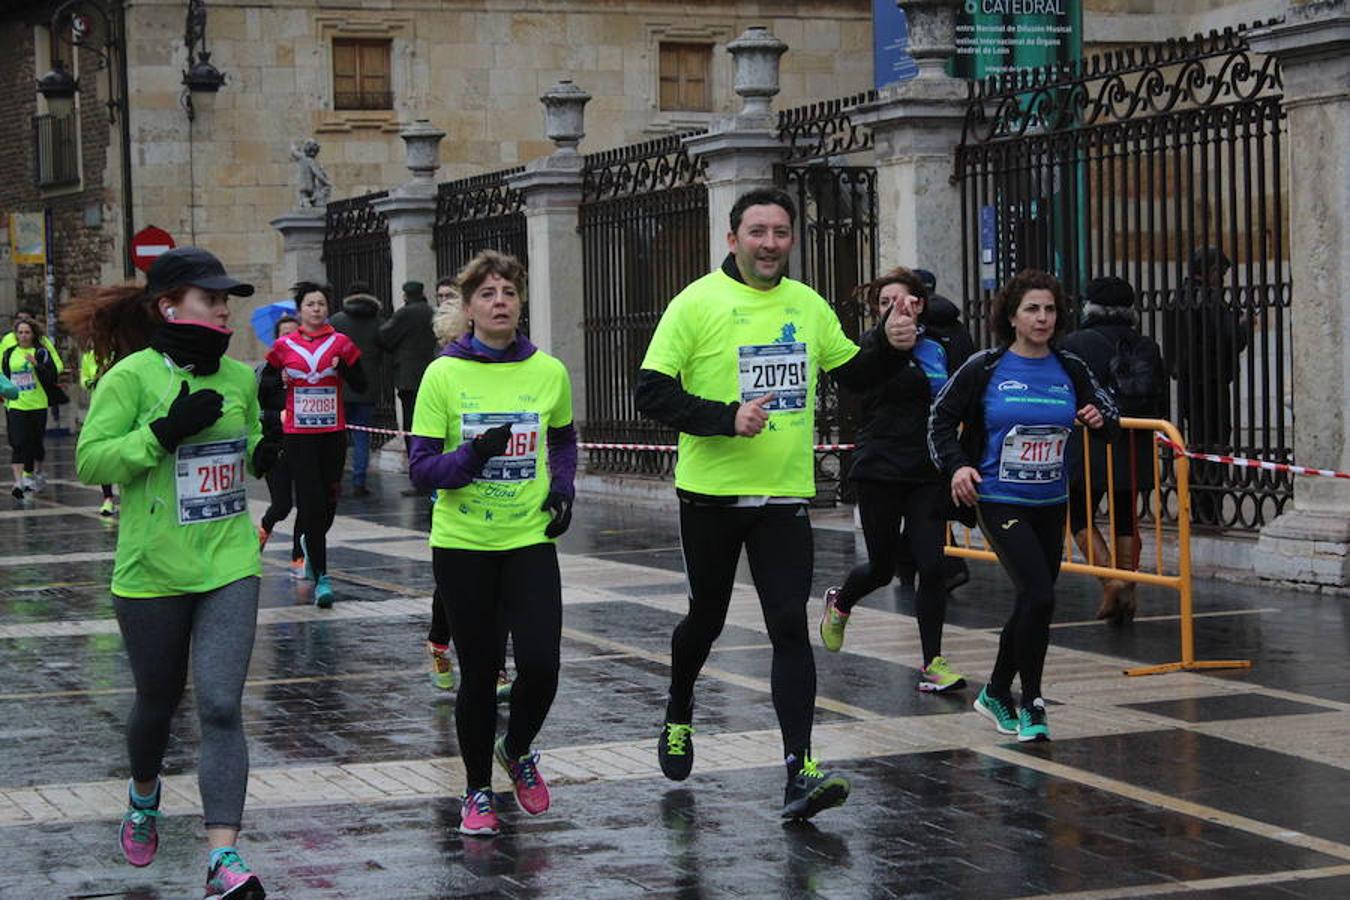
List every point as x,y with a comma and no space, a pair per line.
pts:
148,244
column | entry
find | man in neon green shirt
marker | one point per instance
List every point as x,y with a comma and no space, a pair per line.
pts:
746,345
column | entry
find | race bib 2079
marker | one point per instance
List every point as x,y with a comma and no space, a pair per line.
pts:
777,368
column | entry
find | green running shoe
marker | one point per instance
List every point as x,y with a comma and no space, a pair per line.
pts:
996,711
1032,724
675,750
833,622
813,791
937,677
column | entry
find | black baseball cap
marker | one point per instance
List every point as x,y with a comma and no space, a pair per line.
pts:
184,266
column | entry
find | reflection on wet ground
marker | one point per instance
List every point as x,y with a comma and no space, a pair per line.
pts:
1228,785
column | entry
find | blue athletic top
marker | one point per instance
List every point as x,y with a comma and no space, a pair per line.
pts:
932,358
1029,409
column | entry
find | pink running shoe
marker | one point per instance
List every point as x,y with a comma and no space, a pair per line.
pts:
476,815
139,836
231,877
531,791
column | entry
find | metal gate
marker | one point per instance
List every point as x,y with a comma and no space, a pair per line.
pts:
644,236
480,213
356,248
836,249
1163,165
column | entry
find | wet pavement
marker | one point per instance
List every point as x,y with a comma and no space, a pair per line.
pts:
1227,784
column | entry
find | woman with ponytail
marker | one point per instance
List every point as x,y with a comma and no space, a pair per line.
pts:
175,422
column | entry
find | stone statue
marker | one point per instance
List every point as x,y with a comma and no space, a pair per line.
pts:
315,188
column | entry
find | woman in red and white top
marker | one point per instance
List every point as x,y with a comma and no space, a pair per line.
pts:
313,364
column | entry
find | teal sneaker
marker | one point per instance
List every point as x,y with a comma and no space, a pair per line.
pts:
323,592
833,622
1032,724
938,676
813,791
997,711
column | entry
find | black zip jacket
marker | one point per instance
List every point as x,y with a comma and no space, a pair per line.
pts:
961,403
891,440
664,399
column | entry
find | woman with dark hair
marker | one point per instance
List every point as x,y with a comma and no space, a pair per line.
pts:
175,423
1016,406
312,365
897,483
30,366
280,480
493,437
1131,365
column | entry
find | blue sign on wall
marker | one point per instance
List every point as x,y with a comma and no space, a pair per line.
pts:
891,61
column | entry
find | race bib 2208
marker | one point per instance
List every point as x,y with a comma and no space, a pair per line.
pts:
316,407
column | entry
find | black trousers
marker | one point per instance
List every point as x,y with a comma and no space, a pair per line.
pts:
439,632
27,429
1029,541
316,469
883,506
778,543
408,401
281,494
486,595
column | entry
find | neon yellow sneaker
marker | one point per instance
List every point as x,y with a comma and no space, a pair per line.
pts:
442,669
937,677
833,622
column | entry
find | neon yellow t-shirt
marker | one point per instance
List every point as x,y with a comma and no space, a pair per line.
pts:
23,372
728,342
458,400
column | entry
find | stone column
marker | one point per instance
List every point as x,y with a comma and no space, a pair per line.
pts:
551,188
1310,542
740,150
302,232
916,126
411,210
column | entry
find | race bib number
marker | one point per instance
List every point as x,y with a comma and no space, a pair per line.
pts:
520,462
316,407
780,368
24,381
210,481
1033,454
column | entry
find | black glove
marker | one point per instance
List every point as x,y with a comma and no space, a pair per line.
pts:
492,442
189,414
266,453
559,507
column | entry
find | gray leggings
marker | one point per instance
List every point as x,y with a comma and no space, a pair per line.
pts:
218,627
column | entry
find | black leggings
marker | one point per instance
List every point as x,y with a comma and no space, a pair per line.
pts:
778,544
439,632
882,506
1029,541
316,469
1122,498
280,491
27,428
487,594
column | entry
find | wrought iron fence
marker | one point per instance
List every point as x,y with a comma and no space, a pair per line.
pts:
480,213
836,249
56,151
356,249
1165,166
644,234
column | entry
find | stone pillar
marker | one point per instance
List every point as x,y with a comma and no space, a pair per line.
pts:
1310,542
551,188
916,126
740,150
302,232
411,210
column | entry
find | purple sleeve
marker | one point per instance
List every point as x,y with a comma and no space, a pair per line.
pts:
431,468
562,459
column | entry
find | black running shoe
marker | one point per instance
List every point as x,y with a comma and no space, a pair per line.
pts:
813,791
675,749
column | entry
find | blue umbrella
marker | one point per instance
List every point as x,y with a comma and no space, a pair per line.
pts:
265,318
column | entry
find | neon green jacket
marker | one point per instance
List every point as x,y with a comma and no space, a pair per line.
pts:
183,529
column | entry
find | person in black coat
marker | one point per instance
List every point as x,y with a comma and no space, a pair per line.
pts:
1108,332
359,319
896,481
409,338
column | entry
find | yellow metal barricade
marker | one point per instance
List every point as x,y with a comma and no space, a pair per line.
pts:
1179,581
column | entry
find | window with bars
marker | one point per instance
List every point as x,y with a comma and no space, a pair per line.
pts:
56,151
686,70
361,74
